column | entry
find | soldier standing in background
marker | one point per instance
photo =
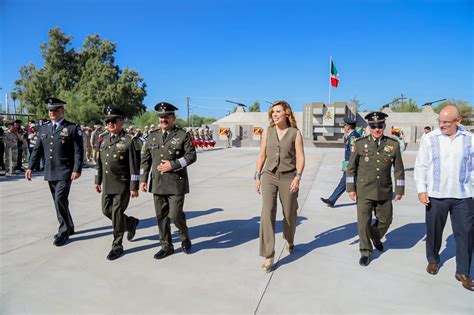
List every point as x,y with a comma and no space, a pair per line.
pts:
167,153
117,178
2,145
369,182
95,142
60,141
11,148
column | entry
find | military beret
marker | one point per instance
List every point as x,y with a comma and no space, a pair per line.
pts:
53,103
164,108
376,117
112,113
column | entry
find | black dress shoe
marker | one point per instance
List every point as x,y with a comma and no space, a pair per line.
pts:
163,253
379,246
61,240
186,246
328,202
364,261
133,229
115,253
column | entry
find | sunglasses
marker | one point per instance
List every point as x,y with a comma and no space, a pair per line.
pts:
53,110
111,121
377,126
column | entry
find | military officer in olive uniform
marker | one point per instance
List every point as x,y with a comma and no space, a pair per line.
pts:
60,141
369,181
167,153
118,167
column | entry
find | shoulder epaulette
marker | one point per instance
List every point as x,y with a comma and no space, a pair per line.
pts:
361,138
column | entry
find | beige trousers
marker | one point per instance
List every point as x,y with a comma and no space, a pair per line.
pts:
273,185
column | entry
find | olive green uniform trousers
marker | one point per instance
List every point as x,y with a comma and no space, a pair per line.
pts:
383,213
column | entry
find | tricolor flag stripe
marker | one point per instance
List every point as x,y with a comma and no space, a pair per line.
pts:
334,75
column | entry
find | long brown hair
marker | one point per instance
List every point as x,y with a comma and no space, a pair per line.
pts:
290,118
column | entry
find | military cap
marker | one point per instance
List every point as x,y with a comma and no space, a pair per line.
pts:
54,103
97,126
376,117
349,121
152,126
164,108
112,113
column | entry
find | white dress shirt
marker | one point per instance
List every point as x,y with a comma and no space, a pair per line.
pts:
444,167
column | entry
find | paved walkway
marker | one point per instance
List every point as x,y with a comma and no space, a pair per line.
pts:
223,273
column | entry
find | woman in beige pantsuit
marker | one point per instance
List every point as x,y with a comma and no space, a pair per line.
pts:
279,168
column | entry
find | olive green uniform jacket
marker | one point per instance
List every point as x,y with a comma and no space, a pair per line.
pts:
369,170
176,148
118,165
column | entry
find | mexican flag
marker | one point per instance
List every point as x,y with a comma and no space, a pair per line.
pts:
334,75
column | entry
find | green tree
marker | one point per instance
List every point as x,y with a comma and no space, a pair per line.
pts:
405,106
464,107
145,119
197,120
88,80
255,107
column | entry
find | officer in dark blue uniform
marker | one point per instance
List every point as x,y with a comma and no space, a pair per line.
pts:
60,141
351,136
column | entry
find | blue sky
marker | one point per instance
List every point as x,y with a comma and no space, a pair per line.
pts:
213,50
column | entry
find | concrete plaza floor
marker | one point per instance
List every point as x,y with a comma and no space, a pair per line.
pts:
223,274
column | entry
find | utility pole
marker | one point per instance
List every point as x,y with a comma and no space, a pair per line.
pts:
188,98
402,98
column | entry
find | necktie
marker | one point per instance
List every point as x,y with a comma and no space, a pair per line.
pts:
54,127
165,134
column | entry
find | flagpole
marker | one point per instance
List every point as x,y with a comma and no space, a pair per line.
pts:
329,98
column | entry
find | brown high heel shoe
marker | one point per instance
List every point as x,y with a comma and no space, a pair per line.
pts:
267,267
290,248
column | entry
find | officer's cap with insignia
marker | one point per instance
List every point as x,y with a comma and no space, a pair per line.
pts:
376,117
112,113
349,121
164,109
53,103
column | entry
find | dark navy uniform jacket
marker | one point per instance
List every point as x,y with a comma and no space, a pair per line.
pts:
62,149
350,142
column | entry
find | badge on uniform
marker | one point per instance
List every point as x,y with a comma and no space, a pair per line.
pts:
388,148
175,140
64,132
366,159
120,145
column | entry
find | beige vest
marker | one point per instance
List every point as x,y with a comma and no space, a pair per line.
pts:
281,154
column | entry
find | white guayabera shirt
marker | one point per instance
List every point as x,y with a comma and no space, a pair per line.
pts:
444,167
